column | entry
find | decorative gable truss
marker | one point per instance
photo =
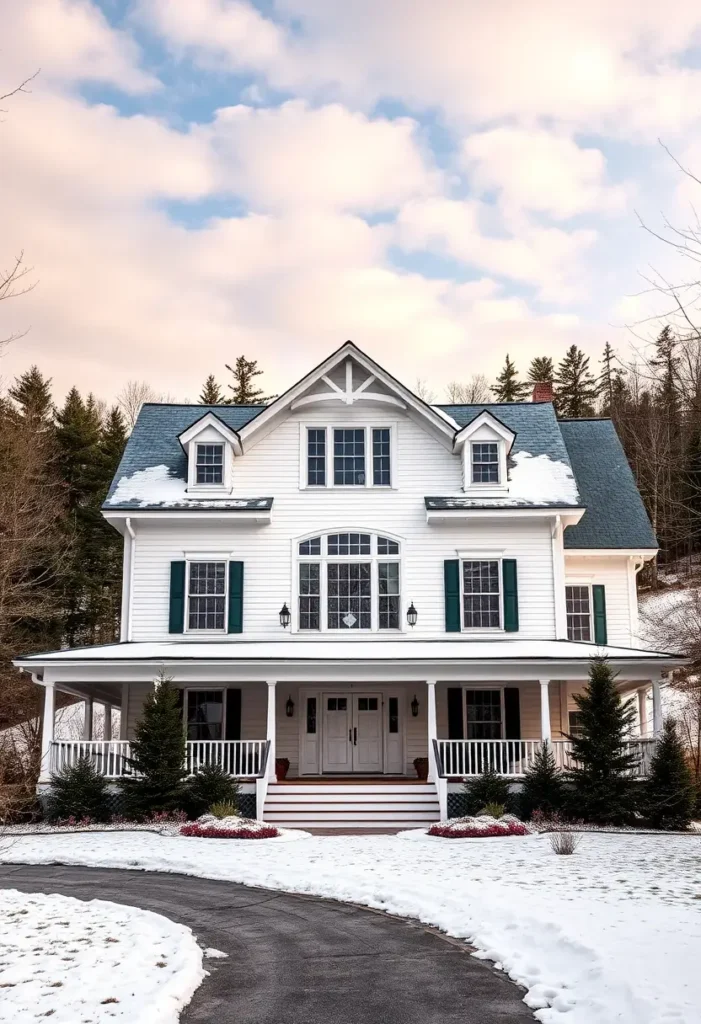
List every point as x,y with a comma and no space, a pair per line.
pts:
485,444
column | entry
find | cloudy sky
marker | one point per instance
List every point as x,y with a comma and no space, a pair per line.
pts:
439,180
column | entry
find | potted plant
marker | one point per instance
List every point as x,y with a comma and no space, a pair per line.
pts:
421,765
282,767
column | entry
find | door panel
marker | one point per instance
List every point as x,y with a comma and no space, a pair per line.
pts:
367,733
338,746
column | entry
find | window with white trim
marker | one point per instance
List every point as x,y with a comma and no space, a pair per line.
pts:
347,456
578,604
206,595
485,462
316,457
349,581
481,593
483,714
205,714
209,464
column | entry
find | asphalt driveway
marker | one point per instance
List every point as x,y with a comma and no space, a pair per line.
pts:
298,959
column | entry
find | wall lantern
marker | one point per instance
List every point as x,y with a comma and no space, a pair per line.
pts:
290,707
412,615
285,617
415,707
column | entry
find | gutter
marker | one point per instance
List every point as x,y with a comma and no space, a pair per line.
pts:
127,580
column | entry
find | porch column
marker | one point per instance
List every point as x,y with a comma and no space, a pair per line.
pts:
432,729
87,719
545,730
47,732
107,723
642,711
271,728
656,708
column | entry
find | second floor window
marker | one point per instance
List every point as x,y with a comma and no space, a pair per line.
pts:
348,456
485,462
210,464
578,604
481,594
206,595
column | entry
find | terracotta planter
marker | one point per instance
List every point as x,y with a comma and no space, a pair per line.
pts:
421,765
282,767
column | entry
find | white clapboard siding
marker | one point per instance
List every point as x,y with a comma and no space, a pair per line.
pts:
271,467
612,572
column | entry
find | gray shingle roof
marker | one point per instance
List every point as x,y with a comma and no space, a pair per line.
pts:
534,424
615,516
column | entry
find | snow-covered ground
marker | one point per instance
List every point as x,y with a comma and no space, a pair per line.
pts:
71,961
608,936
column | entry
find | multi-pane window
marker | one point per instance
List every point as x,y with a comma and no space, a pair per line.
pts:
485,462
576,724
210,464
349,457
205,714
483,714
481,595
388,594
206,595
381,475
316,457
578,603
349,581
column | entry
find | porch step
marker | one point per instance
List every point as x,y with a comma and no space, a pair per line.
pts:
343,806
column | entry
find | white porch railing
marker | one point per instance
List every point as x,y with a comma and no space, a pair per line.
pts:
244,759
512,758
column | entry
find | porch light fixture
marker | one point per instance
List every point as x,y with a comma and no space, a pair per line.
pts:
290,707
415,707
411,615
285,617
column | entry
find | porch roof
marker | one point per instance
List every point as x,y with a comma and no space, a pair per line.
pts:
292,649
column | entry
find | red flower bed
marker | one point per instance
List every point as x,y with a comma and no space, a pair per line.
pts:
212,832
451,832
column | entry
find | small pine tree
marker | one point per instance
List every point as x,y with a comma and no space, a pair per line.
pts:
244,390
541,370
576,389
211,785
603,791
157,755
487,788
669,790
611,382
508,387
543,785
211,393
79,791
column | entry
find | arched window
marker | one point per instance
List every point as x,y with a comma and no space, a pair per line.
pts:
349,581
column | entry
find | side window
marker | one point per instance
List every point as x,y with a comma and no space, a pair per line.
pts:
316,457
578,603
210,464
381,459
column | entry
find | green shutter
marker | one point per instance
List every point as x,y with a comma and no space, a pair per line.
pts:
232,727
508,570
451,578
512,713
455,717
176,616
235,597
599,597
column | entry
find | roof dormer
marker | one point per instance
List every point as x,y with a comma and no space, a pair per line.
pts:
485,444
210,447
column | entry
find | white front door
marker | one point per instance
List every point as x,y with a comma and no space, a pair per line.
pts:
352,732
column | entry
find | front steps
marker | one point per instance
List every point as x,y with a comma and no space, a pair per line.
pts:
347,805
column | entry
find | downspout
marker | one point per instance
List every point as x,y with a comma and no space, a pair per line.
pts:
127,582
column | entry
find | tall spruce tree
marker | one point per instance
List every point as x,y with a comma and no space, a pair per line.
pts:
543,785
157,755
575,387
610,383
108,543
508,388
211,393
244,390
669,789
541,370
32,393
603,790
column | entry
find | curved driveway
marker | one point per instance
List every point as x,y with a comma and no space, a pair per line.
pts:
300,959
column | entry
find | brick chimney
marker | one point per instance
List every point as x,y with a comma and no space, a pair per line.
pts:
543,392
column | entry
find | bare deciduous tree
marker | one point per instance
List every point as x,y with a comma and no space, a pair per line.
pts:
133,395
423,390
475,392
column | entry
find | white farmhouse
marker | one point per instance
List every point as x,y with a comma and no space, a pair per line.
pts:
351,579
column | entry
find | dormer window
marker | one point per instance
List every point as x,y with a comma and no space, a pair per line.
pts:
485,462
210,464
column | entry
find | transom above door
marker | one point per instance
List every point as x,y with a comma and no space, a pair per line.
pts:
352,732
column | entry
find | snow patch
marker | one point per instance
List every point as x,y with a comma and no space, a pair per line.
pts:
72,960
540,480
157,486
215,954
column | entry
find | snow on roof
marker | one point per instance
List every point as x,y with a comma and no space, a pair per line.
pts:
534,480
293,649
156,486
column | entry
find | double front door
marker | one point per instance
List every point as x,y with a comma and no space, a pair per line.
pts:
352,732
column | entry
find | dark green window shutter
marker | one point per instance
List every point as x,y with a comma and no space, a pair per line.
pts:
599,598
235,597
455,722
451,577
176,615
233,715
508,570
512,713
